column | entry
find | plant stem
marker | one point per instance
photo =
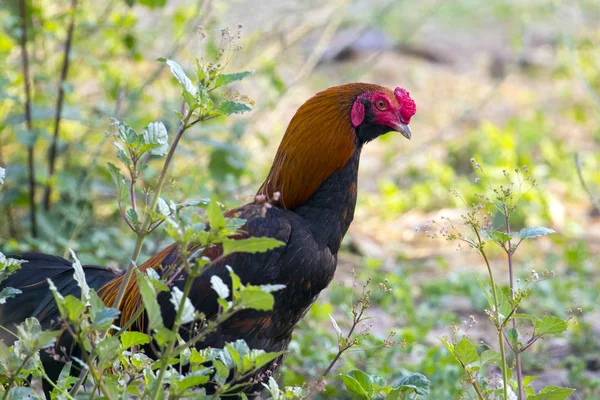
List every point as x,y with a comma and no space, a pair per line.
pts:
497,312
59,103
30,150
473,382
165,358
516,351
143,232
14,376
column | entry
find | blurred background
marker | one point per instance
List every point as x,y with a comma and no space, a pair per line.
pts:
509,83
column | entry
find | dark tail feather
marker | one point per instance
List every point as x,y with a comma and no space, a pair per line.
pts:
36,300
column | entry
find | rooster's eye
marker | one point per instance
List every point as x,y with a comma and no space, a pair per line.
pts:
380,104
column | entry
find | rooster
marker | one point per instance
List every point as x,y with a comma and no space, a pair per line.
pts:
312,187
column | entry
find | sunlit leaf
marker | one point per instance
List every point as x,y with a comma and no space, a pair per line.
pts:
132,338
156,134
535,231
250,245
219,286
225,79
229,107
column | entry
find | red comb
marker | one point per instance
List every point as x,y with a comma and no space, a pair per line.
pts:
408,108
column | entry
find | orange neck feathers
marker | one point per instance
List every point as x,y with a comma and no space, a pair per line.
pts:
319,141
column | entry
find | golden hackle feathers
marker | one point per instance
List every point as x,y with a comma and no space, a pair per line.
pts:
132,298
319,141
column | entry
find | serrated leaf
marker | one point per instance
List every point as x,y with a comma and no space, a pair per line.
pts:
19,393
413,382
253,297
466,352
132,216
229,107
250,245
193,379
149,298
225,79
75,307
187,314
215,216
108,349
512,335
489,357
354,387
79,277
104,317
549,325
119,180
219,286
132,338
552,393
363,380
156,134
271,288
535,231
127,134
336,327
496,236
8,293
180,75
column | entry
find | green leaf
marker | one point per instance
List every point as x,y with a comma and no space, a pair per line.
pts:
131,338
127,134
8,266
549,325
104,317
226,79
250,245
188,312
364,380
108,349
271,288
466,352
552,393
355,387
229,107
253,297
7,293
496,236
79,277
219,286
513,335
535,231
156,134
193,379
412,383
149,297
132,216
19,393
215,216
119,180
336,327
180,75
489,357
74,307
153,3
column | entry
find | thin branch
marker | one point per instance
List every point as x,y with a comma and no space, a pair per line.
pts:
595,202
59,104
30,152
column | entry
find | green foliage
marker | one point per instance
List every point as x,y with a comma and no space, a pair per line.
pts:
110,76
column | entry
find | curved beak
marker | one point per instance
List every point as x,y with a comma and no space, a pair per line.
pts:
403,129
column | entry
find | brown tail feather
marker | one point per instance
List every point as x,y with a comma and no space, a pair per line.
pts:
132,298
